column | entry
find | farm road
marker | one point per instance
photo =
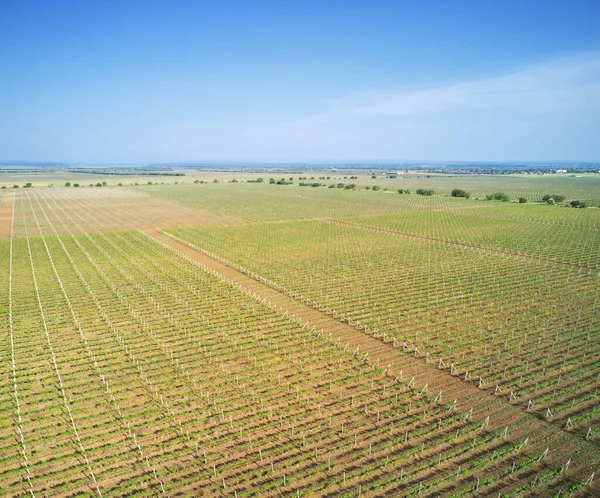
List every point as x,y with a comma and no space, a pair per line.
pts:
562,445
6,205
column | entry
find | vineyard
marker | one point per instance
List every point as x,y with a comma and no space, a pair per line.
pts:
129,366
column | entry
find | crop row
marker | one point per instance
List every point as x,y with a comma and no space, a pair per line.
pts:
136,369
511,324
262,202
570,244
111,209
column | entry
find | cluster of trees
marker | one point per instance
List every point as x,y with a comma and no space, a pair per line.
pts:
497,196
314,184
27,185
103,184
404,191
553,198
281,181
579,204
422,191
350,186
458,192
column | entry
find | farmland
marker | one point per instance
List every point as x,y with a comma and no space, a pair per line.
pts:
242,339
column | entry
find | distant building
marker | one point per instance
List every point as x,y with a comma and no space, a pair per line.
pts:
393,174
561,170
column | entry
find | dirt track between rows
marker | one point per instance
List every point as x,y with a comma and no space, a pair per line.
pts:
562,445
6,205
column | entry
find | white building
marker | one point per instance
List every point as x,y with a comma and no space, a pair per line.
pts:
393,174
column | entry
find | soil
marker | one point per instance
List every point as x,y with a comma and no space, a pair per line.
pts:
6,206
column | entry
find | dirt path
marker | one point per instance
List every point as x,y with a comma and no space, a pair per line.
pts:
6,205
585,456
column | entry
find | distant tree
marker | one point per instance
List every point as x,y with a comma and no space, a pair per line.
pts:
375,187
214,181
340,185
458,192
423,191
579,204
522,200
67,184
498,196
552,198
76,185
27,185
15,186
98,184
373,176
119,184
104,184
3,186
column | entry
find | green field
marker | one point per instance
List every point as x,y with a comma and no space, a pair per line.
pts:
130,366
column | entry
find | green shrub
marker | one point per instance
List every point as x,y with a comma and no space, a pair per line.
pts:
579,204
553,198
423,191
498,196
458,192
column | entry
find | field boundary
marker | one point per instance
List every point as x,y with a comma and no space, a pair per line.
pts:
403,365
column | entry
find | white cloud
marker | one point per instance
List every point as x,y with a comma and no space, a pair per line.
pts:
565,84
548,111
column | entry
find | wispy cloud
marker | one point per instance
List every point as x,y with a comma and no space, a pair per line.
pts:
548,111
563,84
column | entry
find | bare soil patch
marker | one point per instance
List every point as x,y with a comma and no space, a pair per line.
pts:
6,206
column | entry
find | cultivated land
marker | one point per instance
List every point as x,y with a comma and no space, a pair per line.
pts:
261,340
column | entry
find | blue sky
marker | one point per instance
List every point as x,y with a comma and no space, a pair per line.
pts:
143,80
